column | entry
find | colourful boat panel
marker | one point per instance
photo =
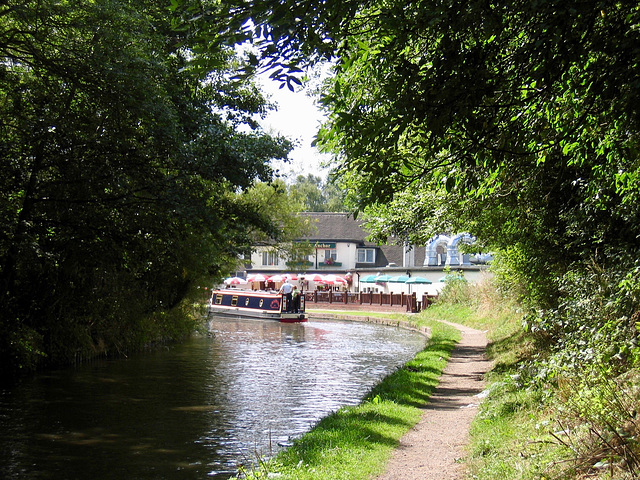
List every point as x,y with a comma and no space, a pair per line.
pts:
265,303
253,304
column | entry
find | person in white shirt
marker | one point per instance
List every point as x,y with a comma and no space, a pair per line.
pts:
286,290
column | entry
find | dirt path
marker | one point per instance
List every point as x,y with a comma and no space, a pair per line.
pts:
430,449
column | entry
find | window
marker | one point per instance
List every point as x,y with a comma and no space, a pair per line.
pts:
366,255
330,256
269,258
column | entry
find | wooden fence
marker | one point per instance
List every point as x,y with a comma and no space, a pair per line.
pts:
410,302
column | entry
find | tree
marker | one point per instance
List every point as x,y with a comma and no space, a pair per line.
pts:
283,207
515,121
121,166
522,118
316,195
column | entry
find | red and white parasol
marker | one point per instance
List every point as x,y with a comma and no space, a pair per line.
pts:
335,280
256,277
235,281
314,277
277,278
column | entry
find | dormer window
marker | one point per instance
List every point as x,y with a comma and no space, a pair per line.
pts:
366,255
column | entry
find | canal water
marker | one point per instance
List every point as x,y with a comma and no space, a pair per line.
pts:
196,410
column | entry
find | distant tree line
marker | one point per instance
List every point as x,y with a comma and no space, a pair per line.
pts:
314,194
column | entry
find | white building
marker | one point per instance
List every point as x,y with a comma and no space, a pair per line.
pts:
339,246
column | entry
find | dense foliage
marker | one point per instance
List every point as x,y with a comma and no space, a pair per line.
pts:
520,119
515,121
123,147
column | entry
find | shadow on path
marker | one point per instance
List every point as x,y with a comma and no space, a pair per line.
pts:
430,450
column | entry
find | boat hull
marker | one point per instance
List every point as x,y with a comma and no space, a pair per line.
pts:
262,305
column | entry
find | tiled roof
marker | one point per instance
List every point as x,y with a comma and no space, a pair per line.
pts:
331,226
342,227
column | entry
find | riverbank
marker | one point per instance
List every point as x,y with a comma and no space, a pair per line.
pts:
381,317
358,442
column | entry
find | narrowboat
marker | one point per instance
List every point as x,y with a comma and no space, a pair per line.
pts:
247,303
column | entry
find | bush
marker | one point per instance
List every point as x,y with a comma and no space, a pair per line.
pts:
593,325
598,424
456,289
583,378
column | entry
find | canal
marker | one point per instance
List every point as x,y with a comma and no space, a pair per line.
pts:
196,410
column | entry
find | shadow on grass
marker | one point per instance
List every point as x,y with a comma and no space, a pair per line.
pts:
349,428
510,351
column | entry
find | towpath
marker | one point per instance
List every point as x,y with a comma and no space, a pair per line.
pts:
432,448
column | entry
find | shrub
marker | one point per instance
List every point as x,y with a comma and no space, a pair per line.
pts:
598,423
456,289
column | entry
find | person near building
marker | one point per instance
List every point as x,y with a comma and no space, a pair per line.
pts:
295,299
286,289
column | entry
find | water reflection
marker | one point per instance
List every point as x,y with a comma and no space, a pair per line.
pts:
196,410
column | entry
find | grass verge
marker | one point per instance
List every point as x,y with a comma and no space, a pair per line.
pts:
536,423
510,437
356,442
518,433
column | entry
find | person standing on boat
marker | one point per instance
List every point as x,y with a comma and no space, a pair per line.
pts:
295,298
286,290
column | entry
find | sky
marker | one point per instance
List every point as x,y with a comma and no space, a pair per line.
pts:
299,119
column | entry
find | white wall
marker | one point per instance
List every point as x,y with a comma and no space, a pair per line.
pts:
345,254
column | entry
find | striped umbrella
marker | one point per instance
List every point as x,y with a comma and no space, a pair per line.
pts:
399,279
382,278
314,277
368,279
235,281
333,279
418,280
256,277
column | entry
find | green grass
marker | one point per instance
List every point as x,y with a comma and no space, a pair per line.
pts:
584,427
356,442
511,437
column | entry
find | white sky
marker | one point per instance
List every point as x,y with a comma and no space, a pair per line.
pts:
298,119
